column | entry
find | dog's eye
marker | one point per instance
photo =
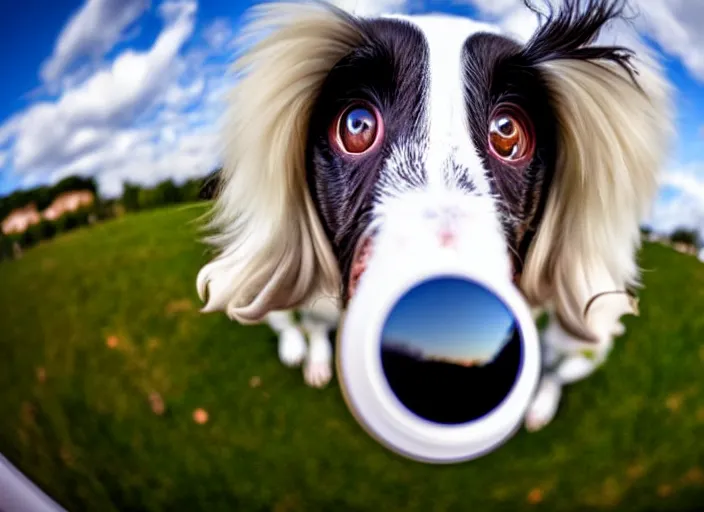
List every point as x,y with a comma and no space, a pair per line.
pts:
357,129
510,135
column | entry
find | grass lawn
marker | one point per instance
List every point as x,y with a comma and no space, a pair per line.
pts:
95,321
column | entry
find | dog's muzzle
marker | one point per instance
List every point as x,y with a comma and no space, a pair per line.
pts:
437,358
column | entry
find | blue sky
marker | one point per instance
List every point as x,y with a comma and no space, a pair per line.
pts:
450,318
132,89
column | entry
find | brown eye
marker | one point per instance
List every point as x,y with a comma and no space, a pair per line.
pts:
358,129
511,138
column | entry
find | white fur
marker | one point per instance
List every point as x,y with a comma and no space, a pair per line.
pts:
449,135
413,218
615,141
273,253
292,342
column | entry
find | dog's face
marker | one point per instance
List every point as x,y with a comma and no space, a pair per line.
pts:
348,137
433,131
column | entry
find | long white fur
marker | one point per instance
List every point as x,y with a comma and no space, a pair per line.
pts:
274,256
614,141
273,251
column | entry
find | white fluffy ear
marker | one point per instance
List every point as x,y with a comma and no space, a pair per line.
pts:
613,140
273,253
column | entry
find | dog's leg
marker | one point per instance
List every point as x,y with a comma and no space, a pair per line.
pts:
319,317
317,369
292,343
559,368
570,360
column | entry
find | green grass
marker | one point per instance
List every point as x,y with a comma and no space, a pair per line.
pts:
631,437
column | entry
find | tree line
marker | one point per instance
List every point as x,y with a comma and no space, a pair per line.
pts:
136,198
680,235
133,198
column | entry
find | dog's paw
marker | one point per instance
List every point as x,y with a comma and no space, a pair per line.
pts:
577,367
544,405
317,370
619,330
317,375
292,347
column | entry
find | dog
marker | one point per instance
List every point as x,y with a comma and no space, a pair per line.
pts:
346,132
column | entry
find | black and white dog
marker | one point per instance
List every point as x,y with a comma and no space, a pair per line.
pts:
345,133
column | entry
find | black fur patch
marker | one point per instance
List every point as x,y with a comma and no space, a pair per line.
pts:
570,32
388,72
498,69
496,72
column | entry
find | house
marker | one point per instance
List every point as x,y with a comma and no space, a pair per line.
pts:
684,248
701,255
20,219
68,202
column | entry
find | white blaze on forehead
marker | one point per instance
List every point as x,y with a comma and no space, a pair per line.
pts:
449,136
415,219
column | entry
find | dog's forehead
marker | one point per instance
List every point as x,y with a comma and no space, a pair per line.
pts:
444,100
445,35
438,28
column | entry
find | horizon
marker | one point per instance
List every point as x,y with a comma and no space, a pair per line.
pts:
427,319
132,90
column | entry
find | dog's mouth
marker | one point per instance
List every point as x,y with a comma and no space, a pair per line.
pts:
362,253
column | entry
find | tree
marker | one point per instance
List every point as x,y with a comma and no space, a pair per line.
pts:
44,195
685,236
47,229
148,198
130,196
190,190
167,193
72,183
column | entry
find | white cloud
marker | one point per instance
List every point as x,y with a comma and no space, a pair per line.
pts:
673,24
372,7
677,26
189,156
91,32
9,128
82,118
519,23
219,33
178,143
145,117
682,202
178,95
682,212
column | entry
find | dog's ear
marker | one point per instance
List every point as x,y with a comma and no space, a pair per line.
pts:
273,253
614,114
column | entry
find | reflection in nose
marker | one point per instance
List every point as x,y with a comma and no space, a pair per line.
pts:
451,351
